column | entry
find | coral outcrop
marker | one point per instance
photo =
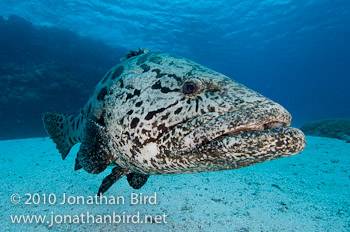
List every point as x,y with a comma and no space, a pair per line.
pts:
332,128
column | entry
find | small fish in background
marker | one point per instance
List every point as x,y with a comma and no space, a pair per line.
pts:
156,113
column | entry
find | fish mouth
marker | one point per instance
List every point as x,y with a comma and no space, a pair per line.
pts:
252,128
264,124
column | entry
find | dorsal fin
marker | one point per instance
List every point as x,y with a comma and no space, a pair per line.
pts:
135,53
95,154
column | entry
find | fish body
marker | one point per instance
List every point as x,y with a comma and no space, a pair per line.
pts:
156,113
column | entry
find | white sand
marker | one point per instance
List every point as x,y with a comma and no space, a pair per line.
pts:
306,192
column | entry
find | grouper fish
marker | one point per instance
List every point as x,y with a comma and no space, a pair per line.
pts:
157,113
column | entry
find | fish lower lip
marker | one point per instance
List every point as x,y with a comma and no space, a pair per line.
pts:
248,148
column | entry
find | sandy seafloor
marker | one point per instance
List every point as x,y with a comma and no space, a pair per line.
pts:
306,192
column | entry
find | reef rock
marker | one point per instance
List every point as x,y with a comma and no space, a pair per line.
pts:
332,128
50,67
27,91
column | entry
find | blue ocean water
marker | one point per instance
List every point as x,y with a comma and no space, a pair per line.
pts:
295,52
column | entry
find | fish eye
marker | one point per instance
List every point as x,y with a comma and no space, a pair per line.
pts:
190,88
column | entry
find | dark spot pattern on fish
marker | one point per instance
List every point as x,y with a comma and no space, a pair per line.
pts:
134,123
145,67
151,114
118,71
102,94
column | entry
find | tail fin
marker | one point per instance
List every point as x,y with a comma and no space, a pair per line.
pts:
64,130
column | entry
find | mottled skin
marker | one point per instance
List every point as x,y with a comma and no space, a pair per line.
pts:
143,119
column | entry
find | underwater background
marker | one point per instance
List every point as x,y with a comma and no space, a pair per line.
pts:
52,54
294,52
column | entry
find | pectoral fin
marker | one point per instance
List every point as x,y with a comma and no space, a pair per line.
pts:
95,154
109,180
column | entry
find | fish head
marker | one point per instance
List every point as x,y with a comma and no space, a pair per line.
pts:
170,115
